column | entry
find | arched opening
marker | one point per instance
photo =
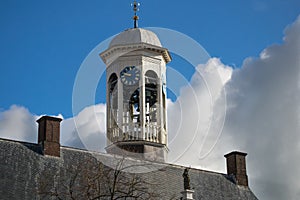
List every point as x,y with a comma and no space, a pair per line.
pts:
151,105
113,102
164,118
135,106
131,112
151,92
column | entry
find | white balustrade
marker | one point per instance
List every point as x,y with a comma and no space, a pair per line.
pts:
132,131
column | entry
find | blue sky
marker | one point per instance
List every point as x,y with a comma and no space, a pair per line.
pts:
43,43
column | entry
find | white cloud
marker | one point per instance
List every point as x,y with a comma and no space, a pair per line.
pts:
263,117
87,129
18,123
200,114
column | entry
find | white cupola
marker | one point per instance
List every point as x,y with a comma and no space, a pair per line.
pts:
136,95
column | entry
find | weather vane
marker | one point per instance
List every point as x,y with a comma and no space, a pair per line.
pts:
135,5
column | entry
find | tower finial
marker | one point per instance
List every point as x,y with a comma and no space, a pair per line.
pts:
135,9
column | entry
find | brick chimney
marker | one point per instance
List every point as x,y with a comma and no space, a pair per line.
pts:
48,135
236,166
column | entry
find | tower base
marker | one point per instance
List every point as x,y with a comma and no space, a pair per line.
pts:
139,149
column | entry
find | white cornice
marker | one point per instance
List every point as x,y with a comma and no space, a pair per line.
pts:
111,54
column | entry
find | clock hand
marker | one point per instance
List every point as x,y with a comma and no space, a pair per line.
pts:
126,74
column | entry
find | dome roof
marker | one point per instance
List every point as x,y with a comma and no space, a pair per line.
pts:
135,36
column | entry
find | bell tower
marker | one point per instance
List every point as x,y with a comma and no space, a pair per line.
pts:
136,94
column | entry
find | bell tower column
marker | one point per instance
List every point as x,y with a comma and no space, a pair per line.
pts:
120,112
142,106
160,113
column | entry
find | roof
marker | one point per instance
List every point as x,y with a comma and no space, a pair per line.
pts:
24,170
135,36
133,40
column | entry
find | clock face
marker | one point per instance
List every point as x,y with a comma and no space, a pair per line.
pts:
130,75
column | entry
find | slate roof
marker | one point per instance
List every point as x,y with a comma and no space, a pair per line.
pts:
23,166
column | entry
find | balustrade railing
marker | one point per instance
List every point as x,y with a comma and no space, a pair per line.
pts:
133,132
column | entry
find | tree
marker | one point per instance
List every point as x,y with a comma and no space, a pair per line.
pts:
90,179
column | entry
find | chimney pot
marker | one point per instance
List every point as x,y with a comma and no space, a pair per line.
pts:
49,135
236,166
